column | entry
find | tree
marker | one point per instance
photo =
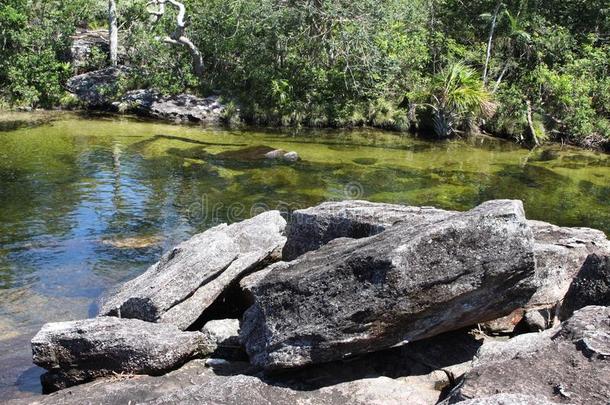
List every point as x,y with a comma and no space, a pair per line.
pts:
457,94
178,37
113,32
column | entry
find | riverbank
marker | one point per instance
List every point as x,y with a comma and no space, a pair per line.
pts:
15,118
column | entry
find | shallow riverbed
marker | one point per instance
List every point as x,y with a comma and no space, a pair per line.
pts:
86,203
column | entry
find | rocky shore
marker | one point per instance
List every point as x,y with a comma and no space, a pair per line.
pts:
351,302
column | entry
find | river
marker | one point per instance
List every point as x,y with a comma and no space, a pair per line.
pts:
88,202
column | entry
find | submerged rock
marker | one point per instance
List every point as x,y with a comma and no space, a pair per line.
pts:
181,108
590,287
80,351
402,285
188,279
568,364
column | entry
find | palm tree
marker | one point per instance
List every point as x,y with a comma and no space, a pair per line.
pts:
457,96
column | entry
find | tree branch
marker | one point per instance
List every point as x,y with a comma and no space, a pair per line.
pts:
178,37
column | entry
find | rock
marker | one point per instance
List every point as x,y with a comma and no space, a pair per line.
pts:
402,285
97,89
280,154
181,108
570,363
395,376
275,154
83,44
536,321
222,339
311,228
560,252
508,399
291,157
80,351
196,384
188,279
590,287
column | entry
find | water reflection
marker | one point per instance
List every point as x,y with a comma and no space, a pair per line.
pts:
88,203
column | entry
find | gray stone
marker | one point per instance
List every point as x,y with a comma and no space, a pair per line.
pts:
221,339
311,228
535,321
188,279
99,88
181,108
83,44
509,399
291,157
80,351
560,252
570,363
412,374
402,285
195,384
590,287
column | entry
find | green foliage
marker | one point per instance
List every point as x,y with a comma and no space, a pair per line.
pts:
394,64
457,97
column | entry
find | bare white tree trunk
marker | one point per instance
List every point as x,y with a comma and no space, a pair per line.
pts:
530,123
178,37
113,31
494,21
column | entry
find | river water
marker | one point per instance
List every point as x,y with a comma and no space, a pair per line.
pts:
88,202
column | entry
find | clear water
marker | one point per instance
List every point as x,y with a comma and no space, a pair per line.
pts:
86,203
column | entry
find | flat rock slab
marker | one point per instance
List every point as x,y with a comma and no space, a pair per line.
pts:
188,279
568,364
80,351
396,376
402,285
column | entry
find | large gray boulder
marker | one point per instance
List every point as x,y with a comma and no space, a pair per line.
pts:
80,351
180,108
560,251
402,285
311,228
99,88
590,287
84,42
188,279
567,364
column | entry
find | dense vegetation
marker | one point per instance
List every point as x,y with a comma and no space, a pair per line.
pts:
428,65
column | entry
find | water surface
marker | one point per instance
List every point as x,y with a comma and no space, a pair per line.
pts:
86,203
